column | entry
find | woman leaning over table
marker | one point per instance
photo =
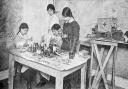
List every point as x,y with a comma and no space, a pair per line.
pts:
70,37
70,32
53,19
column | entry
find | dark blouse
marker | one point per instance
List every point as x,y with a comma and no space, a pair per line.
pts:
72,31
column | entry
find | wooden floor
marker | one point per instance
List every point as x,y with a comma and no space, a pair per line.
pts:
74,80
49,85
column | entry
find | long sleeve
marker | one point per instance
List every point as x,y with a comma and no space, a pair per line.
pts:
20,40
75,36
56,40
53,20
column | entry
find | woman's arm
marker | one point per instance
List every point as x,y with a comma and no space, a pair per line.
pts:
64,36
73,47
20,42
75,31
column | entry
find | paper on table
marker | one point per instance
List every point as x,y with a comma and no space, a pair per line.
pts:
58,62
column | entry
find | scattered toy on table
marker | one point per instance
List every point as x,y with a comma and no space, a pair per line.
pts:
126,36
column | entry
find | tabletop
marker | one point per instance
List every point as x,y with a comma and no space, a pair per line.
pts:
61,62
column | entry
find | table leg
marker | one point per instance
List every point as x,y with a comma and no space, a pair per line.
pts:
59,82
90,68
83,76
113,67
11,71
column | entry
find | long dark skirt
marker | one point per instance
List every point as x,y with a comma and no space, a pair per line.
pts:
29,75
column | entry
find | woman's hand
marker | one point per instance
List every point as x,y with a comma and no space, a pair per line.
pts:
125,38
25,45
20,44
31,39
49,30
64,36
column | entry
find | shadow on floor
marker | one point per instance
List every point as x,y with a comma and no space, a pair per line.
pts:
50,85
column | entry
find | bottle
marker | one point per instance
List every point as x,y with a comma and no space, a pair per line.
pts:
71,55
34,47
51,48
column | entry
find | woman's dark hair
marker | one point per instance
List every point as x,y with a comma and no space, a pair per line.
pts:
23,26
56,27
51,6
67,12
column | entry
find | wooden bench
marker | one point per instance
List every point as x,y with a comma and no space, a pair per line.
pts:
3,74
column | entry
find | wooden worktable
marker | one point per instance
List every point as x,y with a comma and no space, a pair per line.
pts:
57,66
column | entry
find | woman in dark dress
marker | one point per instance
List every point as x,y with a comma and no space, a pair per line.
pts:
70,38
70,32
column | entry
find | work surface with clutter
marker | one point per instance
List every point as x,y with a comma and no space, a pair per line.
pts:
59,62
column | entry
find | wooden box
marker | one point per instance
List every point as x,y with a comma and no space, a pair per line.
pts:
105,24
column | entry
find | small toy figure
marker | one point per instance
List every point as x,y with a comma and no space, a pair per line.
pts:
126,36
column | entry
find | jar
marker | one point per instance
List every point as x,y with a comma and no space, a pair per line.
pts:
71,55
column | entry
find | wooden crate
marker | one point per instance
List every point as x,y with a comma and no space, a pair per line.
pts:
105,24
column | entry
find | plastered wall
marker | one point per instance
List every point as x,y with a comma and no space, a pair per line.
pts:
35,14
12,10
86,13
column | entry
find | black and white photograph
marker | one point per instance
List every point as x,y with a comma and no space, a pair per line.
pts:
63,44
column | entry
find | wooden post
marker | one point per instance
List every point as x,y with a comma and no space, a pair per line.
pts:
59,81
83,76
11,71
90,69
100,65
113,67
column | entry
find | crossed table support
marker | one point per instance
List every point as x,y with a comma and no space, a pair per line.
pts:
98,52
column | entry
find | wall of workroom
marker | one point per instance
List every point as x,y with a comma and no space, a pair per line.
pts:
33,12
86,13
13,13
3,56
10,18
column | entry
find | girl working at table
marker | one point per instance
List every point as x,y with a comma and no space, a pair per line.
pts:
70,39
53,19
56,39
22,41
